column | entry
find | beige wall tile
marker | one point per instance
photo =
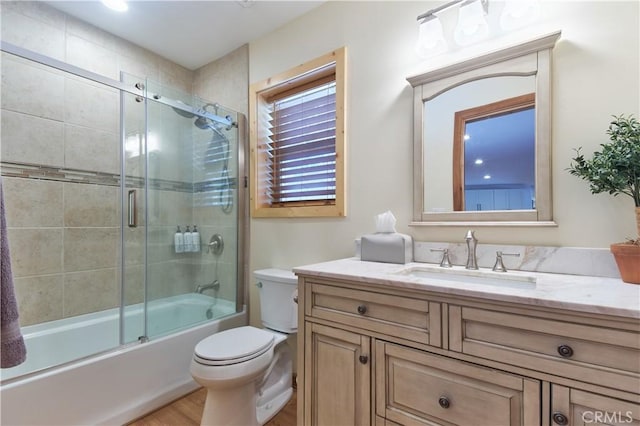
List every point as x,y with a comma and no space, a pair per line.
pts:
92,57
39,298
79,29
35,251
91,106
175,76
32,203
90,248
33,34
90,291
37,10
226,80
161,247
31,139
170,208
134,245
133,65
91,205
169,279
134,284
91,149
32,89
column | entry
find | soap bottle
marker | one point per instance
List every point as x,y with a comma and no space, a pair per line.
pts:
187,240
178,240
195,239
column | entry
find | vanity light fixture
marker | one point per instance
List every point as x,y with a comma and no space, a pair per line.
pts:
117,5
430,37
471,27
472,24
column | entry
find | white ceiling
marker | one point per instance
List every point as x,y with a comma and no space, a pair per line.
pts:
190,33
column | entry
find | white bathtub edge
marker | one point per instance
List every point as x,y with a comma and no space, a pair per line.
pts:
114,388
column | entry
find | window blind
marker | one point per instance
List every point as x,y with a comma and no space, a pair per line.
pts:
301,146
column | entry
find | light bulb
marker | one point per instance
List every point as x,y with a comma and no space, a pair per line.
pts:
472,26
430,37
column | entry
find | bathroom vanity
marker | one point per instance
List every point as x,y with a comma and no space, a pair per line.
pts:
388,344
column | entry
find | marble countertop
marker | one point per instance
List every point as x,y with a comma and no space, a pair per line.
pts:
607,296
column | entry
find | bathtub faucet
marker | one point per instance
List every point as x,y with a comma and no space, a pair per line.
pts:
214,285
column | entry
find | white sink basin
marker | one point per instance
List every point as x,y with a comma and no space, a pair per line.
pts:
470,276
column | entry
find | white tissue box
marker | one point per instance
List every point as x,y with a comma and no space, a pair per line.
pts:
386,247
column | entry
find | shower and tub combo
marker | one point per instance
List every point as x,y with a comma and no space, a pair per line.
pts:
97,173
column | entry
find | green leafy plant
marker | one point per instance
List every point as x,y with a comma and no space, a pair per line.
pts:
616,168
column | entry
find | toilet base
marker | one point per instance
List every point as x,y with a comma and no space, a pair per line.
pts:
230,407
268,410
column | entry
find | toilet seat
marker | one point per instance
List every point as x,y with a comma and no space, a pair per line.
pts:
233,346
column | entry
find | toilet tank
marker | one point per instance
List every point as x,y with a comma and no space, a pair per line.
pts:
278,288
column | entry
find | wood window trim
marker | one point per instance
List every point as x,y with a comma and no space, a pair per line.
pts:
514,104
260,94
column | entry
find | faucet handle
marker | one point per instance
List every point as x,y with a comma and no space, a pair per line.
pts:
445,262
499,265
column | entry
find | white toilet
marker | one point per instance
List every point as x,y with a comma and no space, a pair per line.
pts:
247,371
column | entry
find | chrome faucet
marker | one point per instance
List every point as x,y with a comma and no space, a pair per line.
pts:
214,285
472,242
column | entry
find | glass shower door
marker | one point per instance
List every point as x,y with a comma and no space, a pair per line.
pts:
133,193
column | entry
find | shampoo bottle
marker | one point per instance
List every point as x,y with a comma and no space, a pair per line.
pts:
187,240
178,241
195,239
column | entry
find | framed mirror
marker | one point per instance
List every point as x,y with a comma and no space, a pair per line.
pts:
482,139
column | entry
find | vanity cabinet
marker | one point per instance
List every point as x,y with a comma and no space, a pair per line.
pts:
384,355
339,376
577,407
416,387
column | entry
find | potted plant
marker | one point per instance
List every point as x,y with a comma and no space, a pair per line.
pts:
616,170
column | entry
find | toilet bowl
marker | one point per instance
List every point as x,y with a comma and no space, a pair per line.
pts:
247,371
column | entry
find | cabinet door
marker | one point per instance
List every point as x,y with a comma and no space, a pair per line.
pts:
419,388
337,377
575,407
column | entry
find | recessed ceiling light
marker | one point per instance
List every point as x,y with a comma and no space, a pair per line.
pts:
487,176
478,161
117,5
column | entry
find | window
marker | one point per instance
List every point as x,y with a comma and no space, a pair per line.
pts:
297,141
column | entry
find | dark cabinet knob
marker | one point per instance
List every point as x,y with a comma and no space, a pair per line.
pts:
565,351
560,419
362,309
444,402
363,359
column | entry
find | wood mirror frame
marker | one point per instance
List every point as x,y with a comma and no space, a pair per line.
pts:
530,58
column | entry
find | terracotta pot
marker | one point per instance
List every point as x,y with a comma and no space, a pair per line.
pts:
628,259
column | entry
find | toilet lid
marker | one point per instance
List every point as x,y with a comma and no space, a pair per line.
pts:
233,346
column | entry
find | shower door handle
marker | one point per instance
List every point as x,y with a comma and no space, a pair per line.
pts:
132,216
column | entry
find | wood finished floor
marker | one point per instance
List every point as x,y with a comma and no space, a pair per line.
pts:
187,411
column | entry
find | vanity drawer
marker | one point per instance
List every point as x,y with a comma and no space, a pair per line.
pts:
408,318
605,356
418,388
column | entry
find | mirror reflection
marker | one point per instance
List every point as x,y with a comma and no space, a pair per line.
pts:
494,169
494,156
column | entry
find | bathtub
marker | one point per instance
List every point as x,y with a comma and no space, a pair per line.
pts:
116,386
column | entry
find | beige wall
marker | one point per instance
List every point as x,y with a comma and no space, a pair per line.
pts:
595,75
